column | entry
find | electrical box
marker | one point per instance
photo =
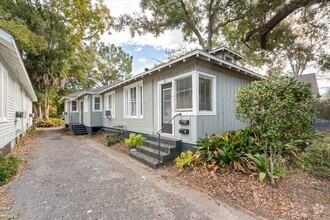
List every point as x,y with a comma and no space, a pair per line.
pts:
183,131
184,122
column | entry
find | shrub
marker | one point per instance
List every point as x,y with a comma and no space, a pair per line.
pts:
185,160
280,111
134,140
32,130
229,148
8,167
51,122
112,139
316,158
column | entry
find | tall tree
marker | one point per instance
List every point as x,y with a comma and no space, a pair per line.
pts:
112,64
61,26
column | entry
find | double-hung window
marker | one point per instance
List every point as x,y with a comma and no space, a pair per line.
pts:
110,103
74,106
97,103
205,93
184,94
133,100
3,94
195,93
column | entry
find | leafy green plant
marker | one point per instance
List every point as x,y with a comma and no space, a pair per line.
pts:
33,130
260,162
112,139
134,140
316,158
185,160
229,149
51,122
8,167
280,110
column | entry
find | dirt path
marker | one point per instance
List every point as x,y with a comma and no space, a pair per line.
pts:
70,177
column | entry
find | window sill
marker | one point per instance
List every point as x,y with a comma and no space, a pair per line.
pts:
97,111
133,117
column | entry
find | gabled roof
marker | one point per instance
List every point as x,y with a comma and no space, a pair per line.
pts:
196,53
97,90
309,79
236,55
11,54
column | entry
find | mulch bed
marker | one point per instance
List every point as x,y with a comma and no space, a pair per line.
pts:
120,147
299,196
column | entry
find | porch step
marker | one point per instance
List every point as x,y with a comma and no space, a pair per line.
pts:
148,153
151,152
150,161
79,129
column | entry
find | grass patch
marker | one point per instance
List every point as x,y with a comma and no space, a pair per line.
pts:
8,167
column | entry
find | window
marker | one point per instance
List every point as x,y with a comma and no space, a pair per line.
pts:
110,103
3,95
205,94
133,100
74,107
97,103
86,104
184,94
228,59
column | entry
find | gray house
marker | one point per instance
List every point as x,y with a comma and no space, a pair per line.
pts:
16,94
182,100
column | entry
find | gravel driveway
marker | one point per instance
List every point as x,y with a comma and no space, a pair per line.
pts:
70,177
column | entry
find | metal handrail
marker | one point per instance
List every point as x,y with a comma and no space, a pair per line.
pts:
161,131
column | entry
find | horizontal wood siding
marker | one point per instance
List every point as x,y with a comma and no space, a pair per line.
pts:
142,125
13,127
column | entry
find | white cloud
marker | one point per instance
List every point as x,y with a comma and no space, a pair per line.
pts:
169,40
138,49
142,60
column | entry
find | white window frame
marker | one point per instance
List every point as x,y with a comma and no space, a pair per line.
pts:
106,103
174,84
213,95
4,94
139,100
72,106
86,103
95,110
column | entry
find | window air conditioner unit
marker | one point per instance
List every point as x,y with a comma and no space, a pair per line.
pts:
108,114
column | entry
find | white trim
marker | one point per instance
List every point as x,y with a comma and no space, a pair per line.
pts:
126,89
86,103
94,110
75,111
106,103
4,94
213,95
81,113
160,83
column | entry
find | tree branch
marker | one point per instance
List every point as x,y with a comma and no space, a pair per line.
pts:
288,9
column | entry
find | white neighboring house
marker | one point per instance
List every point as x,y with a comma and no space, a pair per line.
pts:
16,94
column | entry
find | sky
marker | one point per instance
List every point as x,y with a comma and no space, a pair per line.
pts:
148,50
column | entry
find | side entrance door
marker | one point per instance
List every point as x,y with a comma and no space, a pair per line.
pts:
166,107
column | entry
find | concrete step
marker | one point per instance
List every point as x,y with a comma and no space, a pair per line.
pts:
147,160
164,140
153,153
170,149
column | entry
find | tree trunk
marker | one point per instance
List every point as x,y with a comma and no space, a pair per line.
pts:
46,102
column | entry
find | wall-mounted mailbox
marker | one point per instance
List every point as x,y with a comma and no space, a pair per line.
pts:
183,131
19,114
65,113
184,122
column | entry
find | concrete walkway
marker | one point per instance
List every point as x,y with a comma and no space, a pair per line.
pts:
70,177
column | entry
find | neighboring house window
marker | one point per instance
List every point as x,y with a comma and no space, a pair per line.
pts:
97,103
3,95
86,104
110,103
133,100
184,94
74,106
205,93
